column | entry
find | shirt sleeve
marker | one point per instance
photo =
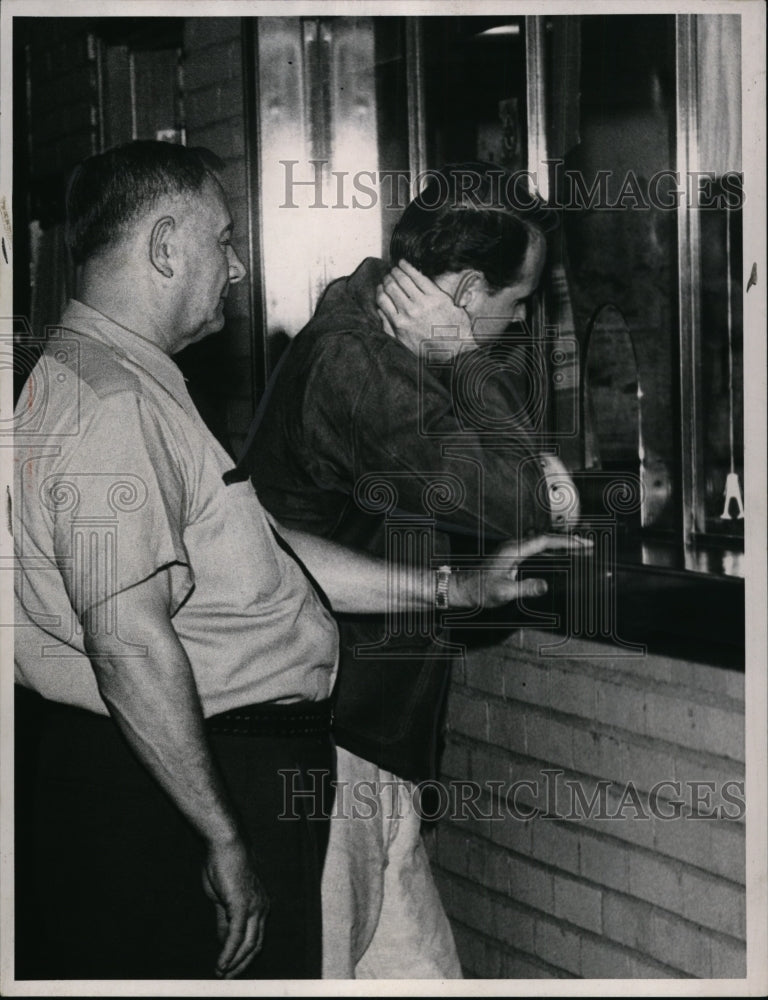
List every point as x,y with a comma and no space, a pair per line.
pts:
119,505
456,449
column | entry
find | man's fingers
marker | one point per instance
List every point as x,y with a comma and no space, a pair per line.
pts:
501,588
531,587
386,325
233,973
222,924
544,543
248,948
422,282
385,303
244,941
251,946
396,293
406,284
233,943
261,923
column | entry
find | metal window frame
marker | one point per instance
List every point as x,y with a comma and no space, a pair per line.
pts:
689,285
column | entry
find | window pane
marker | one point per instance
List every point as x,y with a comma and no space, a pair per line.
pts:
722,369
621,244
475,90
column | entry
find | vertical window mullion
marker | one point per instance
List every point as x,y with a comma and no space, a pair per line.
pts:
689,284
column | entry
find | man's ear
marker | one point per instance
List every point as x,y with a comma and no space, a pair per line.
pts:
159,250
469,284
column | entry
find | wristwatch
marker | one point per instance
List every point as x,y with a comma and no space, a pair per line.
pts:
442,576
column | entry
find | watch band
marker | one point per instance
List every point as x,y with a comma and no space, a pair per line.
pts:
442,577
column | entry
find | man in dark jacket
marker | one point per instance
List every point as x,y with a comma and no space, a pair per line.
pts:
396,423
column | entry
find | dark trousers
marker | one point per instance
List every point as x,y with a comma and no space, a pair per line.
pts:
109,873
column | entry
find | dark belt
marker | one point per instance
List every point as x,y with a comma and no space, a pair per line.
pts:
303,718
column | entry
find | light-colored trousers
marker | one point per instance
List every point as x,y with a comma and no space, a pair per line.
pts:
382,915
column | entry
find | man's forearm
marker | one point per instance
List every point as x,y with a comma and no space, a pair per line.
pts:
154,701
355,582
358,583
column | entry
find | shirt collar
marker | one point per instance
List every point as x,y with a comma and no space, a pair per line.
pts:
138,351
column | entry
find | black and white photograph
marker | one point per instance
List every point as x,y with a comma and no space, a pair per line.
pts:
383,456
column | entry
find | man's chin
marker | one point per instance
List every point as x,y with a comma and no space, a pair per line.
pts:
216,323
214,326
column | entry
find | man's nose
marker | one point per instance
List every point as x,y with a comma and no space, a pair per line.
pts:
236,267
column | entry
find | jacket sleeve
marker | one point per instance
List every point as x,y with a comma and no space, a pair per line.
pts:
425,438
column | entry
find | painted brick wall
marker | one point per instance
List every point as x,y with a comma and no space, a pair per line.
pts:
612,891
213,100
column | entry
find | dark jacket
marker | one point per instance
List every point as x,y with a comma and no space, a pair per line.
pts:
362,442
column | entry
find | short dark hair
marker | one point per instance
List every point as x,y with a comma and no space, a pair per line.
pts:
471,215
111,190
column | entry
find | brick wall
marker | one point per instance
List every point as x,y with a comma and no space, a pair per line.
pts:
63,110
58,127
213,97
611,891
